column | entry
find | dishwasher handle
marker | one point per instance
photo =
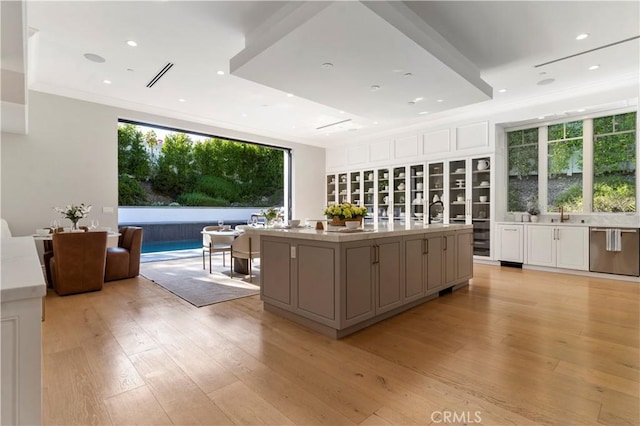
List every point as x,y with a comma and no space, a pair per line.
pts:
626,231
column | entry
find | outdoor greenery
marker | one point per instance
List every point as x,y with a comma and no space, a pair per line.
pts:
614,165
180,171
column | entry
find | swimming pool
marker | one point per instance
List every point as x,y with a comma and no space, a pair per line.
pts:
155,246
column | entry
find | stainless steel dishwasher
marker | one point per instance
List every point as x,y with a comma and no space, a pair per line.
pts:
623,262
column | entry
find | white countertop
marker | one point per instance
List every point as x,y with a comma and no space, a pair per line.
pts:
21,276
367,233
558,223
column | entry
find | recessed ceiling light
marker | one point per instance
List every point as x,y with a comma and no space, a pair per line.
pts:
502,90
327,65
582,36
341,112
289,95
106,81
181,100
581,110
374,88
94,58
220,72
244,115
440,100
541,118
594,67
423,112
375,122
418,99
546,81
132,43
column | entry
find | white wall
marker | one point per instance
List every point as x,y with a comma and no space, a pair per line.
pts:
70,156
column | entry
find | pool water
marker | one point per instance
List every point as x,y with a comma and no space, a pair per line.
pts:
156,246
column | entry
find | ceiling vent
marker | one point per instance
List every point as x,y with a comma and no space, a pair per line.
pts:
161,74
587,51
333,124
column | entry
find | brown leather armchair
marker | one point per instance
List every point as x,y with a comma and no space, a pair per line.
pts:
78,262
124,261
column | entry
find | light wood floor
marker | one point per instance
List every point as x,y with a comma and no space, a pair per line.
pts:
516,347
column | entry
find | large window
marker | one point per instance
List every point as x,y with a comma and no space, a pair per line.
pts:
160,167
609,180
614,163
523,168
564,170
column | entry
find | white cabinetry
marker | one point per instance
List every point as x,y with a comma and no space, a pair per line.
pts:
22,289
511,243
558,246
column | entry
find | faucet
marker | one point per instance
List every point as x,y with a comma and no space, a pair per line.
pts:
433,204
563,217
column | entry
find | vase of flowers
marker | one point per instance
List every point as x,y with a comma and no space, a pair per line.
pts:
533,211
271,214
340,213
74,213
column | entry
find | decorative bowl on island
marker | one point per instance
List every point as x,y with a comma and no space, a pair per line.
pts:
352,224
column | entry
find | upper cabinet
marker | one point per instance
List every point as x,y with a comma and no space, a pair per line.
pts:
422,145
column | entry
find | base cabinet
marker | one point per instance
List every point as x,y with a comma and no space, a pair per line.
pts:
511,243
339,287
558,246
424,265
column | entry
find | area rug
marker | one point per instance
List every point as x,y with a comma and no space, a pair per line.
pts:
186,279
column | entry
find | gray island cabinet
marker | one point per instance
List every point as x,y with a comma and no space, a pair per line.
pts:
340,282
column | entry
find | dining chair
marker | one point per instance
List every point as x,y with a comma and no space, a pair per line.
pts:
215,244
5,232
124,261
78,262
245,246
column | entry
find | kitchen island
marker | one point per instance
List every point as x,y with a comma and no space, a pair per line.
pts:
338,282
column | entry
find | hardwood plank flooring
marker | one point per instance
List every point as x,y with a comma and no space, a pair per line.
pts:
515,347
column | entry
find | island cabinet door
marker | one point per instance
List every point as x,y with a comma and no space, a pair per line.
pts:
389,274
357,278
315,281
464,250
449,253
414,267
435,264
275,274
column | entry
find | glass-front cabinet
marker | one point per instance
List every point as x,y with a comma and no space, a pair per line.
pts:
405,194
331,189
369,194
343,190
385,202
458,200
436,191
355,189
417,180
399,194
481,205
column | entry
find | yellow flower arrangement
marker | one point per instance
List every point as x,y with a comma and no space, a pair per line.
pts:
344,211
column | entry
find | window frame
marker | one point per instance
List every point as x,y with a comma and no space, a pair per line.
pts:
588,141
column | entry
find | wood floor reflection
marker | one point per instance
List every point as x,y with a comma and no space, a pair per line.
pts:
515,347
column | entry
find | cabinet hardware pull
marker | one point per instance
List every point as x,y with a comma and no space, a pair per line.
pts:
445,243
510,229
630,231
